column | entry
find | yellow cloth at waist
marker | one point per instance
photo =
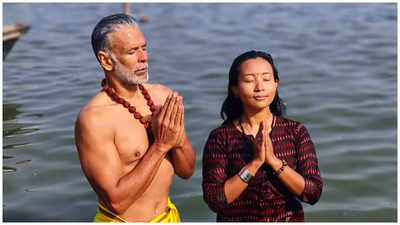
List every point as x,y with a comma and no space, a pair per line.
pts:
170,215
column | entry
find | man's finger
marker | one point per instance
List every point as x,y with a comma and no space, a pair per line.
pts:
164,107
174,112
155,115
178,116
157,111
182,135
170,108
181,122
167,106
183,117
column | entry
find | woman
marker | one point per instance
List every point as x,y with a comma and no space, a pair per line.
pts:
257,165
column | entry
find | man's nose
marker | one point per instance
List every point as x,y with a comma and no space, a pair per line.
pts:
142,56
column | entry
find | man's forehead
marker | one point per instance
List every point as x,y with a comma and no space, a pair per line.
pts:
126,34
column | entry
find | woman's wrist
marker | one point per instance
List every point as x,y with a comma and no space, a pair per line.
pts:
254,165
275,164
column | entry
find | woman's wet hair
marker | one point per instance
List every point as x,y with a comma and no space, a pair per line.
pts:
107,25
232,107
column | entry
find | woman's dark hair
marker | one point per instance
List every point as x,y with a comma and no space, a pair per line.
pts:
232,107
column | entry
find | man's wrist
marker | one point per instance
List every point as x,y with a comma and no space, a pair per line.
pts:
161,147
177,148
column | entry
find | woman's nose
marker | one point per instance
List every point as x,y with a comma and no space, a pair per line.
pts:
259,85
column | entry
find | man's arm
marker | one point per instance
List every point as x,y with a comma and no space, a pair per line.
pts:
102,166
101,163
184,156
183,159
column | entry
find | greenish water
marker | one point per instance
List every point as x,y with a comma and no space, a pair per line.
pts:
338,73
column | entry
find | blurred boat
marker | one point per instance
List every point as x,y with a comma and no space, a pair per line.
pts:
11,33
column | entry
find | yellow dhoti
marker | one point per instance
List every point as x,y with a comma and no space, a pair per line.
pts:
170,215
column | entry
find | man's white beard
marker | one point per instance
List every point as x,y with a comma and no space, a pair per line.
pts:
125,75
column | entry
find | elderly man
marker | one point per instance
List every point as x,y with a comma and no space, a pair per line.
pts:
130,136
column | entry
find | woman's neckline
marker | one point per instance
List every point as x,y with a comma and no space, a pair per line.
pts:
238,127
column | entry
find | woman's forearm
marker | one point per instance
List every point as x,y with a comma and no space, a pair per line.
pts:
234,186
291,179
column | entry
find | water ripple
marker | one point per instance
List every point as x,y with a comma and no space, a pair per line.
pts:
338,74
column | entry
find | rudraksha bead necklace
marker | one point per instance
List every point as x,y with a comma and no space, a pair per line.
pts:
114,96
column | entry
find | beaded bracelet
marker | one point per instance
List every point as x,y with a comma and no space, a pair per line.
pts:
284,164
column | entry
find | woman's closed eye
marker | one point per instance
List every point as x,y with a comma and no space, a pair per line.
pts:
248,80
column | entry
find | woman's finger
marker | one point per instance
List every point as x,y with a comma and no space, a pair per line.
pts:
259,134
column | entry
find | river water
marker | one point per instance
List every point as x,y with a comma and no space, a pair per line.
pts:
338,76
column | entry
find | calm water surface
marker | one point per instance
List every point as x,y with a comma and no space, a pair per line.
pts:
337,65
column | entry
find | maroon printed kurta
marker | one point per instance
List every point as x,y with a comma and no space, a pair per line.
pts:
266,198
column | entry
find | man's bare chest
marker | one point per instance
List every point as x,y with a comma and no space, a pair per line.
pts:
131,138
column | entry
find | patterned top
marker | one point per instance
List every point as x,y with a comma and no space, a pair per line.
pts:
265,199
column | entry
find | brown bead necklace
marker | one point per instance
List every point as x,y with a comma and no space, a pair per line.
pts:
114,96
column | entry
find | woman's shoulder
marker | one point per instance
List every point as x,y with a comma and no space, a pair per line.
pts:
286,123
222,138
224,130
283,121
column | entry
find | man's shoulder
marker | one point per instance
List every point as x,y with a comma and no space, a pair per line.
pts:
157,88
158,92
96,109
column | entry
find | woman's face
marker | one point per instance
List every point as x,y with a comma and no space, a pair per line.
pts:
256,86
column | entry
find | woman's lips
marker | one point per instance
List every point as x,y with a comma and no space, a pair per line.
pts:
259,98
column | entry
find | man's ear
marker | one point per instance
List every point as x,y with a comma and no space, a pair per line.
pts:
105,60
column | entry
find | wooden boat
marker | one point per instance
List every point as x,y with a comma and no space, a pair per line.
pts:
11,33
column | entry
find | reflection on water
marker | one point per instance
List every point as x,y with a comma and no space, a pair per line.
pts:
12,133
10,111
8,169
